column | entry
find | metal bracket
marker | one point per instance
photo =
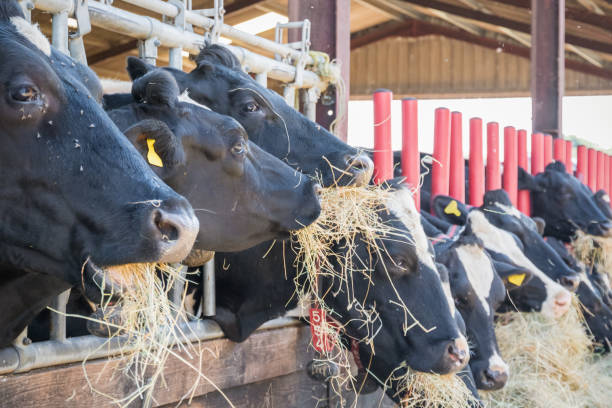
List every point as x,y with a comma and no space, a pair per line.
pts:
147,49
216,13
303,46
75,40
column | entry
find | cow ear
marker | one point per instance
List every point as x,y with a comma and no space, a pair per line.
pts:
157,144
526,181
137,67
156,88
513,276
540,224
450,210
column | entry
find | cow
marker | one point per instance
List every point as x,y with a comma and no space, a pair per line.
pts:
253,288
76,197
597,314
602,201
478,291
512,238
219,83
242,195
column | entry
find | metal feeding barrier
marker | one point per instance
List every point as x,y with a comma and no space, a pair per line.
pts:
71,21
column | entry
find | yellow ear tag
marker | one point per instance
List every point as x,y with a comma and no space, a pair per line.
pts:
451,208
152,155
516,279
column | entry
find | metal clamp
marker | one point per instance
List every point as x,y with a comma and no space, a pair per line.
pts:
75,40
147,49
303,46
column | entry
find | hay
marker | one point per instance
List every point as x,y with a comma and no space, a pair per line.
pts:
594,251
551,363
150,325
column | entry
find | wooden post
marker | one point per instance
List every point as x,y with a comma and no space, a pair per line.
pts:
547,64
330,33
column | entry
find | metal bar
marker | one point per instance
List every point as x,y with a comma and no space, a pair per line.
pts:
53,352
411,165
209,300
456,186
441,153
511,164
493,177
176,293
383,154
142,27
59,37
476,170
547,65
262,79
77,50
58,320
176,58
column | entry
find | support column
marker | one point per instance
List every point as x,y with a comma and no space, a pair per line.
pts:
330,33
547,65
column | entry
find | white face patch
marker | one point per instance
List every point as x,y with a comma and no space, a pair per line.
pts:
479,271
113,86
498,240
449,297
402,206
496,363
184,97
32,33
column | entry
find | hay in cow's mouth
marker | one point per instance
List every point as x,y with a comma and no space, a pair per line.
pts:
551,363
149,324
594,251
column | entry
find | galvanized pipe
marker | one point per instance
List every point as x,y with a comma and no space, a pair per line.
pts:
176,58
262,79
142,27
58,319
209,300
59,37
53,352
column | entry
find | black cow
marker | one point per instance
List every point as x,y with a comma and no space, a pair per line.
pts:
512,238
76,197
597,314
252,289
564,203
220,83
602,200
242,195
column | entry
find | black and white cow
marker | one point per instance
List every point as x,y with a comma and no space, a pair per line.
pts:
513,238
252,288
220,83
242,195
76,197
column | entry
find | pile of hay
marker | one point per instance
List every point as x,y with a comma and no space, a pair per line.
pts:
551,364
594,251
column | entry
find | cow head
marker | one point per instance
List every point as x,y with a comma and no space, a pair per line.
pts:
477,291
219,83
602,201
241,194
511,237
77,197
564,203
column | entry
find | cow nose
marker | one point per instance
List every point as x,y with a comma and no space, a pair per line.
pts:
606,227
457,354
362,168
318,190
562,303
570,282
175,227
494,379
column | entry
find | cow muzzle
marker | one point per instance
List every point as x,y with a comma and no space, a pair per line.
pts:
456,357
361,167
174,227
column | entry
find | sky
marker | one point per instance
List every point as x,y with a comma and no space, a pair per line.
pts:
588,117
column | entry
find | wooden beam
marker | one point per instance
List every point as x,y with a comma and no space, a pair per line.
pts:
417,28
112,52
507,23
238,5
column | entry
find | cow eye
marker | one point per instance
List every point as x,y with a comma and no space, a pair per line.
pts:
239,148
251,107
461,301
25,93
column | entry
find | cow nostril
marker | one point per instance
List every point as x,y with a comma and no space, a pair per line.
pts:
318,190
570,282
456,353
361,166
167,229
494,379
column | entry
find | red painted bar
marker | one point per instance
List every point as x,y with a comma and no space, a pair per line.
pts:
523,200
456,187
559,150
493,179
606,185
476,168
510,164
548,150
410,147
440,165
582,164
601,165
592,180
383,155
537,153
568,157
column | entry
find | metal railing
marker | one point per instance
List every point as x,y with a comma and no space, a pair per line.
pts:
80,15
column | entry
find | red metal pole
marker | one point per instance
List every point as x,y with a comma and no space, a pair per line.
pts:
383,155
601,165
523,201
548,150
559,150
510,164
456,187
537,153
582,164
592,169
568,157
476,169
410,148
606,185
440,165
493,179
